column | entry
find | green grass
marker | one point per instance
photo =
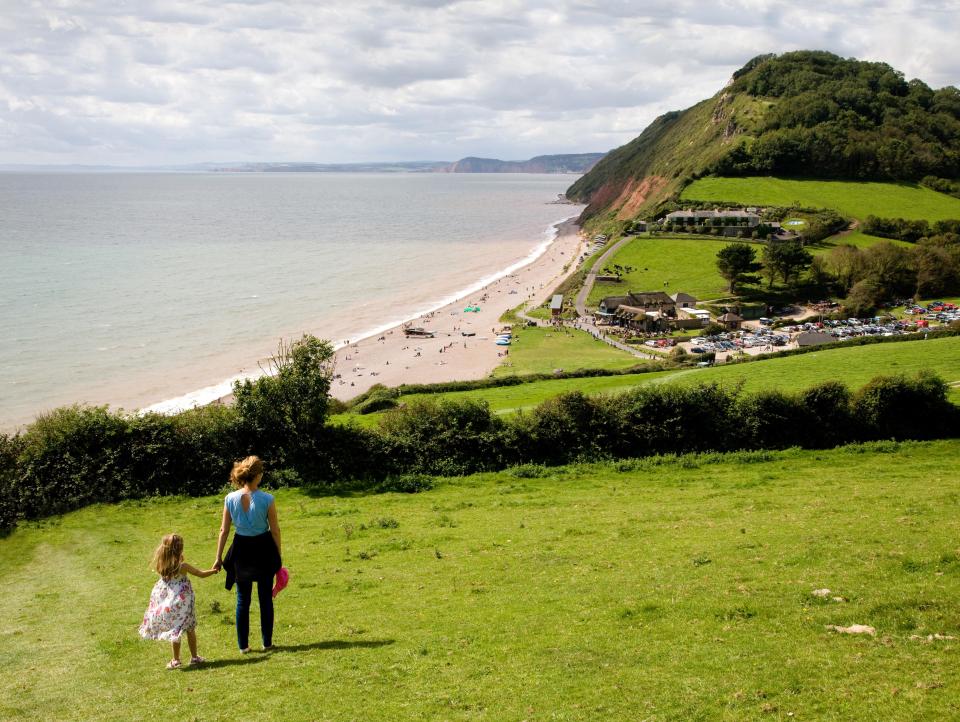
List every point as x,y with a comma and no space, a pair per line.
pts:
542,350
853,365
887,200
688,265
679,590
854,238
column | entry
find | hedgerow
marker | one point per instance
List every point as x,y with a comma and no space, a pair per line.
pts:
79,455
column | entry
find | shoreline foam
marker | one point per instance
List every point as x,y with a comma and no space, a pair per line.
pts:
223,390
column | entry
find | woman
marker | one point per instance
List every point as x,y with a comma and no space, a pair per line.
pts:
254,555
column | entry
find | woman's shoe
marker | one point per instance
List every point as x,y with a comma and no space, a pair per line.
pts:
197,660
245,650
173,664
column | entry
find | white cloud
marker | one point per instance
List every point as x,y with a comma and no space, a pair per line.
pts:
171,81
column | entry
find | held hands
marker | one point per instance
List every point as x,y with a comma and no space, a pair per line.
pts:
218,566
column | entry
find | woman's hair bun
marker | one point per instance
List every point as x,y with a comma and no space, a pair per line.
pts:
246,470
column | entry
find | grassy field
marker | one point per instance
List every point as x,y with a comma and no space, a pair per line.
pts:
542,350
888,200
640,590
853,238
687,265
854,365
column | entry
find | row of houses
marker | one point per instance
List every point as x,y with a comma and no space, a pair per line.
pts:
748,218
728,222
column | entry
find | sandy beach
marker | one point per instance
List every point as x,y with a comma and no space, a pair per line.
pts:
391,358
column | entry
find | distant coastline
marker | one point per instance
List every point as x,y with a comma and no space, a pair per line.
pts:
565,163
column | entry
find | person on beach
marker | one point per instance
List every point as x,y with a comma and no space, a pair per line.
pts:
254,555
172,609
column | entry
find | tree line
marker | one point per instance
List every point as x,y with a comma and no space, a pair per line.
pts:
865,278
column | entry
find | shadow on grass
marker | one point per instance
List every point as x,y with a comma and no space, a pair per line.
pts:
257,656
217,663
332,644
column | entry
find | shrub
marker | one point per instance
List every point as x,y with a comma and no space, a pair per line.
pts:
209,440
672,419
406,484
529,471
381,400
448,437
568,427
772,420
282,478
71,457
10,448
831,422
282,414
897,407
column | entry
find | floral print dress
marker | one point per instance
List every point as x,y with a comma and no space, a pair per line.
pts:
171,611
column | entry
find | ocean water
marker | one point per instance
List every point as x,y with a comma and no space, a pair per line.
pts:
156,290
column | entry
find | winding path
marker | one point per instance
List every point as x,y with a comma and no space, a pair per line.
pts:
581,301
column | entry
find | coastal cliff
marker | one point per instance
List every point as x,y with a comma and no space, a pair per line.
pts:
569,163
800,114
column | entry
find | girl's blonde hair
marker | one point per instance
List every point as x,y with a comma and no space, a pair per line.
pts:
246,470
168,557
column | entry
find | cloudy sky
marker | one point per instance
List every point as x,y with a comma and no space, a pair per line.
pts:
131,82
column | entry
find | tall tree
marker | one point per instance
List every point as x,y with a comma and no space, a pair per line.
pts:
737,263
787,259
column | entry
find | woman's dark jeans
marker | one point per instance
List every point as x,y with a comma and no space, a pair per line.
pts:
265,597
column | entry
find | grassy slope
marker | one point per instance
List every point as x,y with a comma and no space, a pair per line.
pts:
688,265
673,147
856,199
542,350
853,238
679,591
854,366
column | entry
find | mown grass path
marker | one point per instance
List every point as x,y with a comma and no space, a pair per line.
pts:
678,590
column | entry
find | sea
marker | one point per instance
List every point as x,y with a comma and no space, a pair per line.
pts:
157,290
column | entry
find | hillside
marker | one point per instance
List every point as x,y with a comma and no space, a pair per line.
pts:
800,114
571,163
678,587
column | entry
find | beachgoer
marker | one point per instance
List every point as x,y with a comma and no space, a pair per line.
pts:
172,604
254,555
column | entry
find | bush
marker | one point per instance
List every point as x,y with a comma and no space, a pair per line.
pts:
529,471
671,419
568,427
381,400
282,414
831,421
448,438
406,484
10,448
72,457
772,420
897,407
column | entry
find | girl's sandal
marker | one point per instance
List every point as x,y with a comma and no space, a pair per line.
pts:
196,660
173,664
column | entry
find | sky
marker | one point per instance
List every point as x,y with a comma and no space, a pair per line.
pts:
145,82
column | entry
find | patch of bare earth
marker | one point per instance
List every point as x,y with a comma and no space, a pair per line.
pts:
636,193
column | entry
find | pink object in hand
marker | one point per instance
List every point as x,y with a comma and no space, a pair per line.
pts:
283,578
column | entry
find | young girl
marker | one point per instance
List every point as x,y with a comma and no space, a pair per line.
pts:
171,611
